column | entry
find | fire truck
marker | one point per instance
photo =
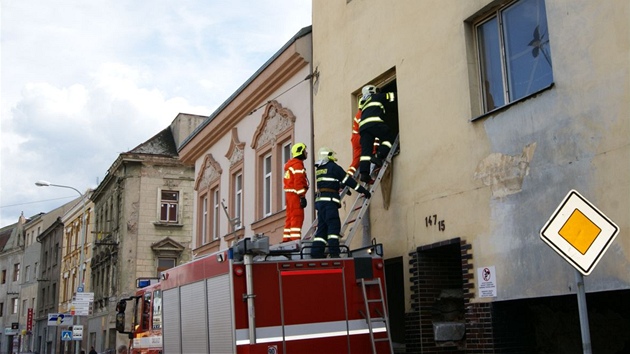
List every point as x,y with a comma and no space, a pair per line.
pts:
250,299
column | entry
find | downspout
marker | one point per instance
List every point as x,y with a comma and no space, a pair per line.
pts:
251,311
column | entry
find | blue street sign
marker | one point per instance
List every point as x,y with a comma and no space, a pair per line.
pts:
66,335
80,289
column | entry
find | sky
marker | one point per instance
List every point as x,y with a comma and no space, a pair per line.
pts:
83,81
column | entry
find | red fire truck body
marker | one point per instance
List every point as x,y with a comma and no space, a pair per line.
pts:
222,304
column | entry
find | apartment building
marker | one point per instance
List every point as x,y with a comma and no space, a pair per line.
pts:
142,224
239,152
502,108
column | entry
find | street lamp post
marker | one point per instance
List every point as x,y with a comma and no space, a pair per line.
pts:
83,235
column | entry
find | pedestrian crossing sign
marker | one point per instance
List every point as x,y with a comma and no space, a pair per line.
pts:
66,335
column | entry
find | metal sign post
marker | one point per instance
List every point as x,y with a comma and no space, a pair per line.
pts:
584,328
581,234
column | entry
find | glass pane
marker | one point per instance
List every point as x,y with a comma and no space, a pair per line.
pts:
169,195
490,58
286,153
164,212
172,213
527,48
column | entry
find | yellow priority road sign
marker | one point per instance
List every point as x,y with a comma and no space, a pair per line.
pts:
579,232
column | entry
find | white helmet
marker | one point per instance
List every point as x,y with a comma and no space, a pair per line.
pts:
326,154
369,90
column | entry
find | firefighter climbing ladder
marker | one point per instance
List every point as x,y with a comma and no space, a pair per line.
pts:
360,206
379,308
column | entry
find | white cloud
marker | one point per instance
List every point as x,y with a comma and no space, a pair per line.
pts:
84,81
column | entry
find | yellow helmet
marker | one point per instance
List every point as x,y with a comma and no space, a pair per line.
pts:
297,149
327,154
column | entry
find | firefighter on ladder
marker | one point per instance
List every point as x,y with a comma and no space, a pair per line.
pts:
295,188
372,126
329,177
355,140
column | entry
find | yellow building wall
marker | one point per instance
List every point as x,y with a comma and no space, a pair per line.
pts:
496,180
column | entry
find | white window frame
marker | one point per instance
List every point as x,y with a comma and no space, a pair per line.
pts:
169,206
215,197
286,156
488,67
238,199
204,219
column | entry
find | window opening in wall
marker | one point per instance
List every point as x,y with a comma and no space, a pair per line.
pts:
267,185
165,263
514,53
4,276
14,306
168,206
16,272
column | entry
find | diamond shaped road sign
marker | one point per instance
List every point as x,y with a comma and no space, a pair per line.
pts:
579,232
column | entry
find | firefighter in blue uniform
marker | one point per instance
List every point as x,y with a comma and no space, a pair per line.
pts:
329,177
372,126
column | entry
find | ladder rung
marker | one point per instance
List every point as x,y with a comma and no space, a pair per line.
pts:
375,300
371,282
386,339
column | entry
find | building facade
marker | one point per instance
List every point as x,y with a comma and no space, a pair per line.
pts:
11,254
240,150
76,256
142,224
502,108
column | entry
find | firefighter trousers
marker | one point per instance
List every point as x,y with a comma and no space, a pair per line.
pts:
368,134
328,229
294,219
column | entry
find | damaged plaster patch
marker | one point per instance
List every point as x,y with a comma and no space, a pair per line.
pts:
505,173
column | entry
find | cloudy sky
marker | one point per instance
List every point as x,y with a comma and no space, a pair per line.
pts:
82,81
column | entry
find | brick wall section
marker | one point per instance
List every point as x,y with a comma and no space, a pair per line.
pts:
432,269
479,332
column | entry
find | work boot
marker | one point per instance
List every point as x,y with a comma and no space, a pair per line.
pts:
376,161
365,177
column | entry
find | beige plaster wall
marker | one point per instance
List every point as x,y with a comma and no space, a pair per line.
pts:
494,181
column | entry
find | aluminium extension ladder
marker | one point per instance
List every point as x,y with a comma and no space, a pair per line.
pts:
377,333
361,204
358,210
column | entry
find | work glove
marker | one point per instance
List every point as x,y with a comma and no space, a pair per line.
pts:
367,194
302,202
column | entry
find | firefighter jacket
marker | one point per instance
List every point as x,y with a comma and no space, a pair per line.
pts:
373,109
329,177
295,179
355,140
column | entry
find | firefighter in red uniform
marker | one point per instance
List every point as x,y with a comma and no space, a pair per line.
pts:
372,126
295,188
329,177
